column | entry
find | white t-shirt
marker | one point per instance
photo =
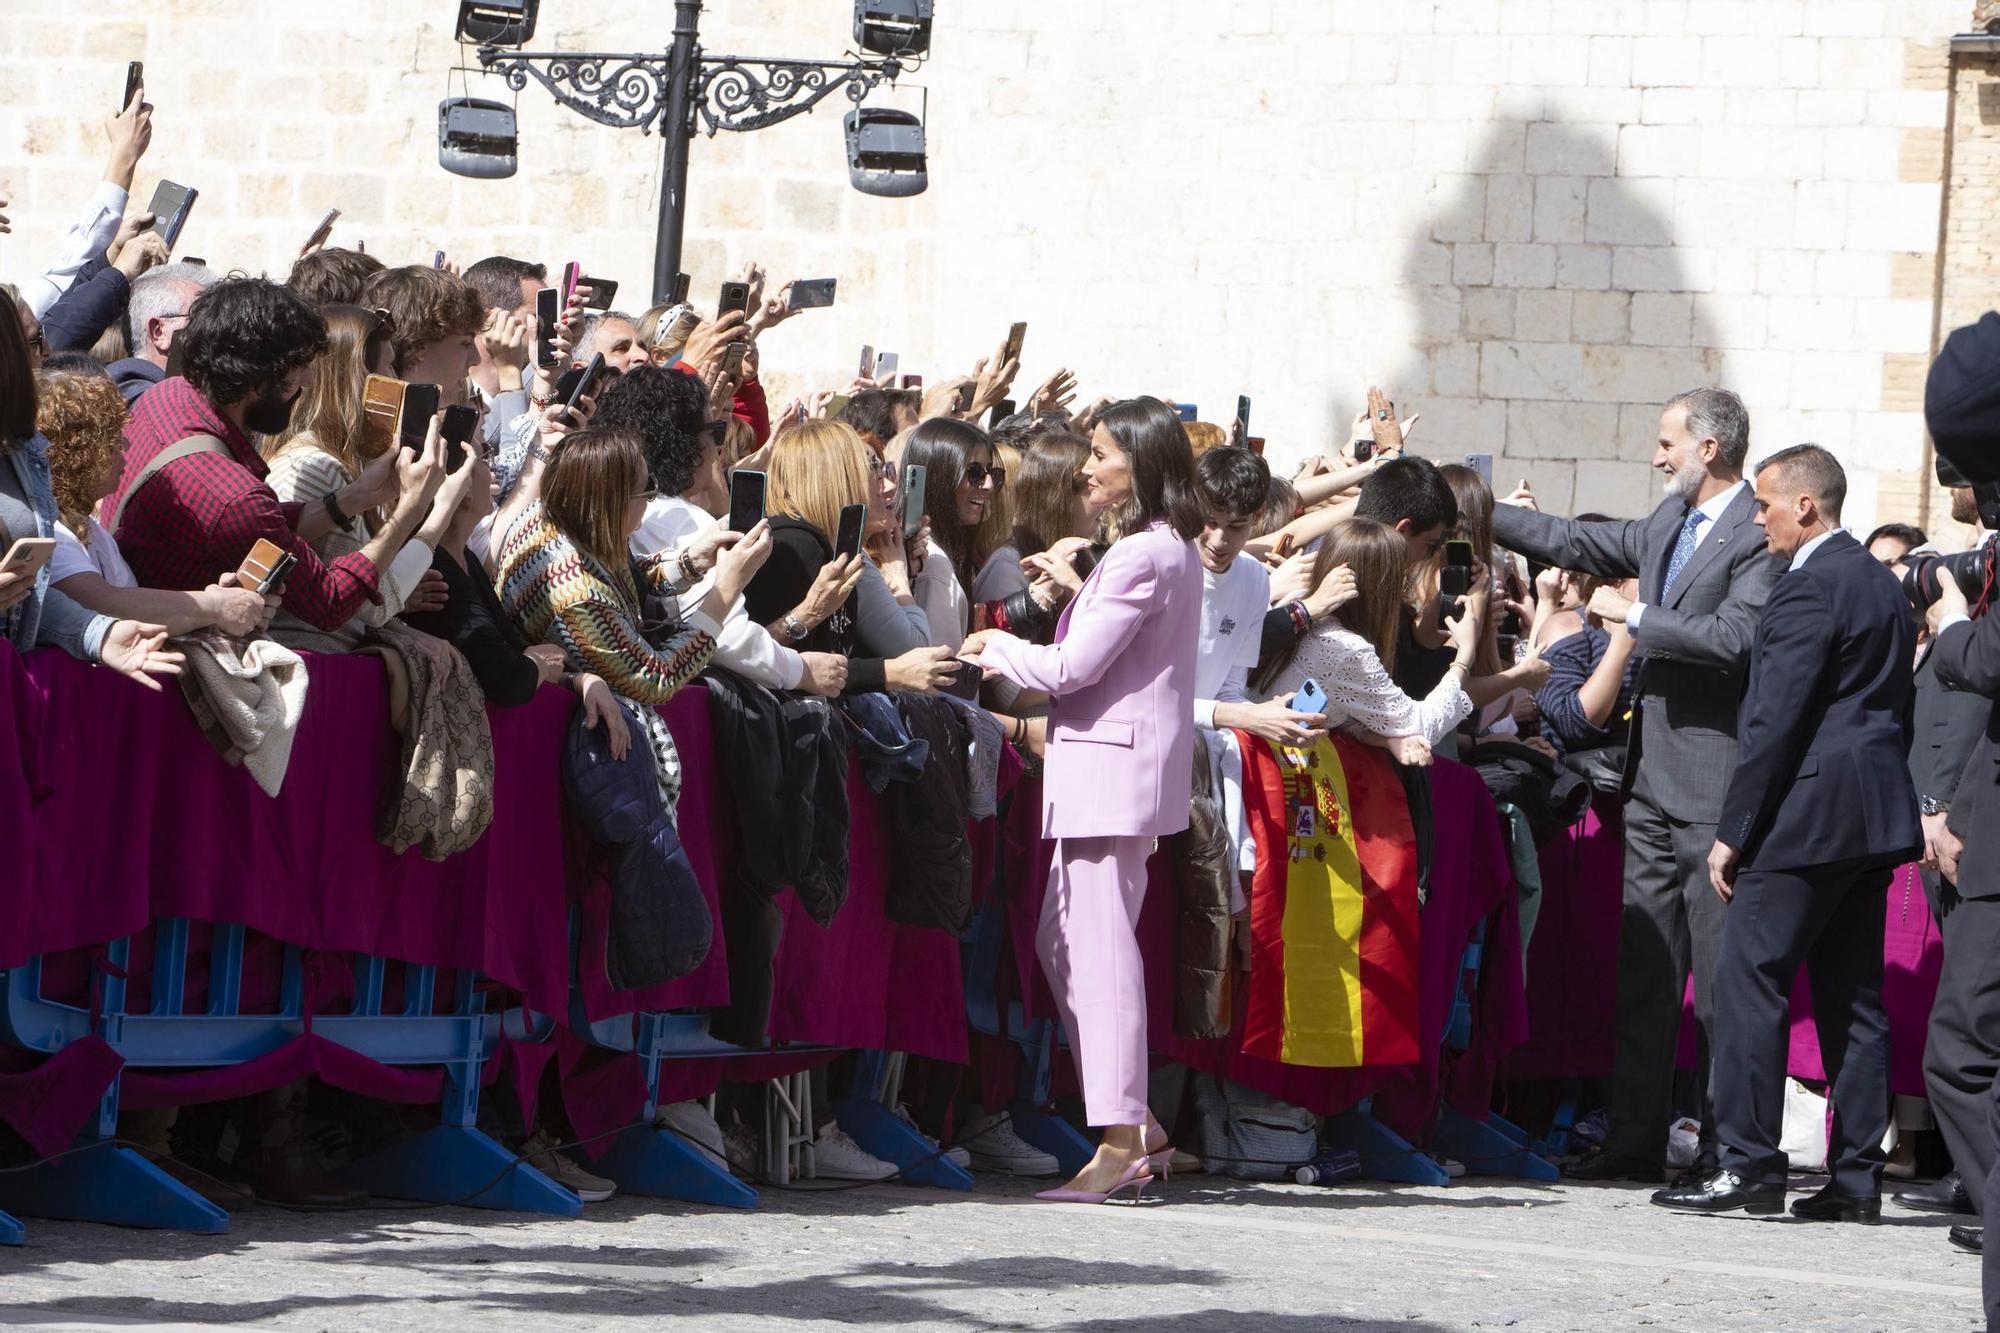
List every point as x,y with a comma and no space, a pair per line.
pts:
669,522
1233,604
936,589
100,557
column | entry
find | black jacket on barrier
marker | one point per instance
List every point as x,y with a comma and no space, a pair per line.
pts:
930,859
659,925
1822,774
784,760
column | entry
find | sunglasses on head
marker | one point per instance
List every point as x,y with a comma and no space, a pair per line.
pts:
977,473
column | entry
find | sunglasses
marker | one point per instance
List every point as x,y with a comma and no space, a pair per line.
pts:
716,430
647,497
977,473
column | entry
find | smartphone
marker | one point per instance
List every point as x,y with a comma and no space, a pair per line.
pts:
913,381
811,293
420,404
27,556
1001,411
1015,334
1255,443
963,682
1364,450
746,499
170,207
135,74
325,229
460,420
1310,698
437,259
915,479
263,569
602,292
1284,547
732,359
852,519
679,295
548,313
836,405
1186,411
867,370
964,399
1483,465
586,381
1243,416
1455,578
381,413
572,271
735,296
885,365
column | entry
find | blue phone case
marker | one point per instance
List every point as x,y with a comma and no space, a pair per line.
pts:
1310,698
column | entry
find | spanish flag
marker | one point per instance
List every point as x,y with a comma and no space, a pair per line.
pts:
1333,906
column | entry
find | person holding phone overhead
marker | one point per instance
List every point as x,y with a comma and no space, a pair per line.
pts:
1118,772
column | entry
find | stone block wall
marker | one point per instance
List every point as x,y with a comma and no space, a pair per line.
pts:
1531,220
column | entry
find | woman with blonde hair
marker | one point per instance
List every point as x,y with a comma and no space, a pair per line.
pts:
81,415
323,455
1352,652
816,470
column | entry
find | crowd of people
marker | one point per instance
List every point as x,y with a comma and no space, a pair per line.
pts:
1123,596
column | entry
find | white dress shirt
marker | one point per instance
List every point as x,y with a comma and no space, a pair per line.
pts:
1710,510
1800,556
88,237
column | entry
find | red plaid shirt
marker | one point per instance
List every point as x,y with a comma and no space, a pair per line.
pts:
200,515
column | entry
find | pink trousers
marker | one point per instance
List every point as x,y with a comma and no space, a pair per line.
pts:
1089,946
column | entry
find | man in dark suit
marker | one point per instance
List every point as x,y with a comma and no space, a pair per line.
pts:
1818,814
1703,576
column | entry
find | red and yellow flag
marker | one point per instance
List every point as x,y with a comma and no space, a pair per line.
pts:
1333,906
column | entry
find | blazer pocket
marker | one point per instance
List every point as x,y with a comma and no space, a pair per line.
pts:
1101,731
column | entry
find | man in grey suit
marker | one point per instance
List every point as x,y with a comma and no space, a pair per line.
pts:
1703,577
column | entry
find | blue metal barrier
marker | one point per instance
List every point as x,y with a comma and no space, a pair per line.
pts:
97,1180
1488,1145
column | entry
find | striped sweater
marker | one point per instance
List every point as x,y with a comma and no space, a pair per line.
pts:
554,593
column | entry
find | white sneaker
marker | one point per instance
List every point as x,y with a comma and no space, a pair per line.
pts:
541,1152
958,1157
692,1122
838,1157
994,1146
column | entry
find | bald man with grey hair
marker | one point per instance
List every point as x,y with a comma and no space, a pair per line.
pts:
154,314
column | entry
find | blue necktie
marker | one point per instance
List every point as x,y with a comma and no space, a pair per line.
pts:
1683,552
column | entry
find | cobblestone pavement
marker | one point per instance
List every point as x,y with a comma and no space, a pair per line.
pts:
1205,1255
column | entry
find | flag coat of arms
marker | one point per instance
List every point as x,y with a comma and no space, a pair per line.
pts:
1333,906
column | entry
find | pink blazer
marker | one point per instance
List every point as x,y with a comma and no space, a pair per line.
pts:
1121,679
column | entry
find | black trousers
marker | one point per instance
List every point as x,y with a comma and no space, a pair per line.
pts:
1830,918
1962,1050
1671,925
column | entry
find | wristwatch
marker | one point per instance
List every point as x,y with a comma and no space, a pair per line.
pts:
1931,805
794,628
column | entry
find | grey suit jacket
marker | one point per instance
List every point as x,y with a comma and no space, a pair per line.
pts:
1694,646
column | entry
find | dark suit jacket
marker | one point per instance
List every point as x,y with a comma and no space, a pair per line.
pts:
1694,647
93,303
1968,658
1821,775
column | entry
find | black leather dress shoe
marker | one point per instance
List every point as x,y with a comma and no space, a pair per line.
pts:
1970,1239
1829,1205
1940,1196
1606,1167
1721,1193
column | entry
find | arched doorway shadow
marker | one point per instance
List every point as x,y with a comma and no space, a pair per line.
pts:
1576,317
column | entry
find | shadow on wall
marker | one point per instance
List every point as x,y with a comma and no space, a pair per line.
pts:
1555,316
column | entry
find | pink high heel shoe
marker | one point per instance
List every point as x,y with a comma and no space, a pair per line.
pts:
1161,1159
1136,1178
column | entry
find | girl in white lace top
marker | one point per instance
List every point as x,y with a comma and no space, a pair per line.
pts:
1351,652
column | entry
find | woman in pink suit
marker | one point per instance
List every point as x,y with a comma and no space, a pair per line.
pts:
1120,756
